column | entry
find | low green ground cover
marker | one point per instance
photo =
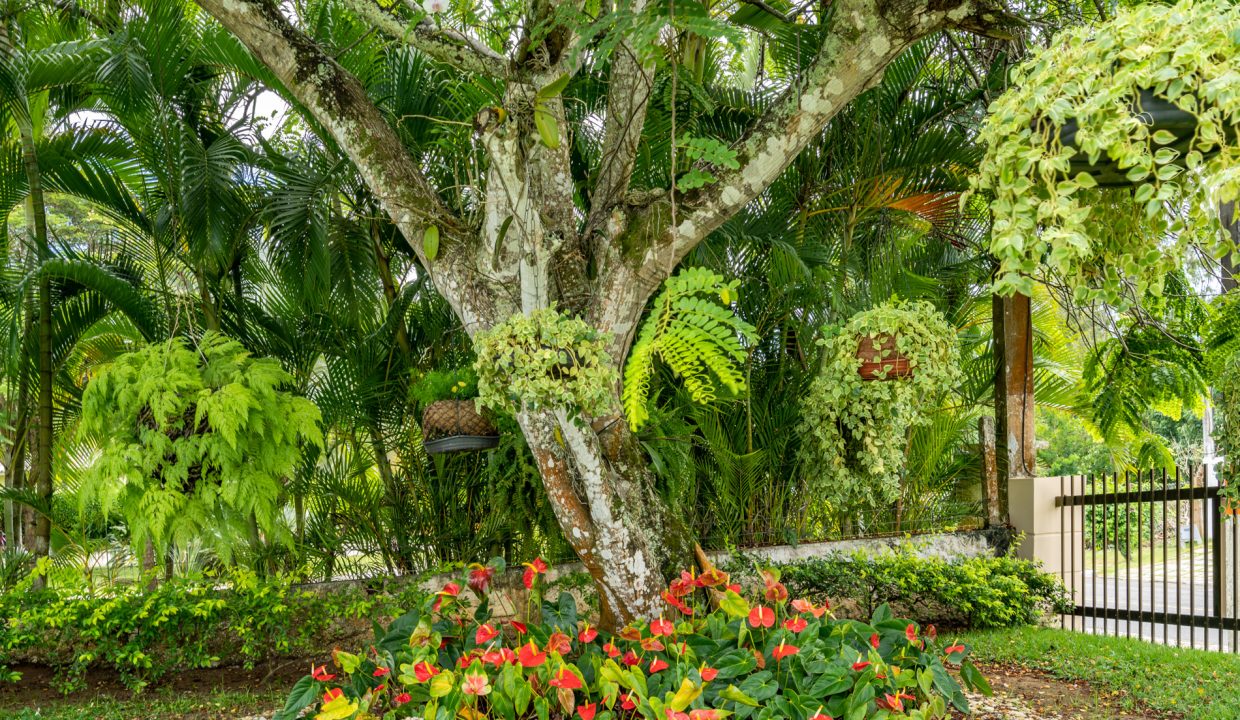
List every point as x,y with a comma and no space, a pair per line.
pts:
1198,684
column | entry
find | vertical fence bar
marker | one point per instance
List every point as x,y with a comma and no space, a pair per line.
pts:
1166,574
1105,539
1063,543
1215,522
1234,523
1072,553
1140,559
1127,553
1179,610
1192,561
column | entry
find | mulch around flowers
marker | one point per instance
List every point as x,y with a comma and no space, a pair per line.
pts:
1023,694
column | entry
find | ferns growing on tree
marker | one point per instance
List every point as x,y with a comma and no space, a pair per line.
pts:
693,330
193,440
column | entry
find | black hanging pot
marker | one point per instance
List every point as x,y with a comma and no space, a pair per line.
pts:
1156,112
456,426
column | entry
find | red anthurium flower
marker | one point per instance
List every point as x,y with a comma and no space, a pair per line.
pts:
674,715
380,688
627,702
320,673
380,672
677,603
424,671
532,571
567,679
683,585
332,694
656,665
586,712
519,627
559,642
932,632
783,650
401,699
588,634
480,577
820,716
651,644
475,684
954,649
630,658
861,665
708,673
762,617
611,650
874,641
735,588
493,657
796,624
802,605
485,634
910,632
451,590
529,656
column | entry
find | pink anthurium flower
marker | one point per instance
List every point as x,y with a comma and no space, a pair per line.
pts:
475,684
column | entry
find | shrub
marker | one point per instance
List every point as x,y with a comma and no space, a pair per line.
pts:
143,634
766,660
977,592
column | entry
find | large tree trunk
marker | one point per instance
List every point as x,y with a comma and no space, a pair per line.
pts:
535,243
1014,401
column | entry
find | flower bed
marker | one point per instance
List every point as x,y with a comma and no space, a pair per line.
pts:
713,654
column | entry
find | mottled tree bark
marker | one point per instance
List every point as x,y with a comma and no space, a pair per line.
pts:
535,246
1014,399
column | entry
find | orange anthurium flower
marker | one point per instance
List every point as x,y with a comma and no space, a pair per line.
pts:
656,665
630,633
762,617
532,571
674,715
566,679
775,592
586,712
320,673
704,714
651,644
784,650
796,624
559,642
683,585
802,605
587,634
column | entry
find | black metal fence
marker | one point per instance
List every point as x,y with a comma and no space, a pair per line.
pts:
1153,556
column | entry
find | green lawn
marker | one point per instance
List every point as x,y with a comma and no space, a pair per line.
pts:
159,705
1199,684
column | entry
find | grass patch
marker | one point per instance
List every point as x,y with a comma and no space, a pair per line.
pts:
165,704
1199,685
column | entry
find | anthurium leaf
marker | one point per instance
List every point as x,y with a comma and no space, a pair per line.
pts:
305,692
734,604
974,679
735,694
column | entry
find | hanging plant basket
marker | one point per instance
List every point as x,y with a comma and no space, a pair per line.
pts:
1155,112
881,360
456,426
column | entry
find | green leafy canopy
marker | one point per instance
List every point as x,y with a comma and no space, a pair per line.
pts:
190,436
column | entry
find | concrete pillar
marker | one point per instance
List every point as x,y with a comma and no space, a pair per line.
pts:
1054,535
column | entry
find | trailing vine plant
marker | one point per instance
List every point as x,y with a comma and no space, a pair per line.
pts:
1223,364
1115,245
193,439
691,328
855,431
544,360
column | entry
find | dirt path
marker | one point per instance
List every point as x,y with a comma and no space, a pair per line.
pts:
1022,694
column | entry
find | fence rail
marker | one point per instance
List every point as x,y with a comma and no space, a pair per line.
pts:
1150,555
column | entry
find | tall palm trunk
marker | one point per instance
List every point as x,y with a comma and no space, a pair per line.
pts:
40,543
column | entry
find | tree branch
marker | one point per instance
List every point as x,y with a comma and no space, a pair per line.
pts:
341,106
443,44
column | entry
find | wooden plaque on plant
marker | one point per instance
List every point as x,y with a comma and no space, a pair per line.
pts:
881,360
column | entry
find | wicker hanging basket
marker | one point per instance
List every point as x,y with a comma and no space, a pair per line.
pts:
880,360
456,426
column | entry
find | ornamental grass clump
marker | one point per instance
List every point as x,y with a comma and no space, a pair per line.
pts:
1115,245
855,431
770,658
